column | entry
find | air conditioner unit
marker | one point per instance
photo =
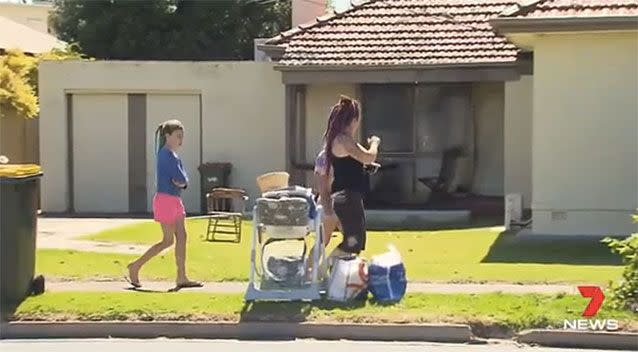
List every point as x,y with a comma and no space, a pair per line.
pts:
513,209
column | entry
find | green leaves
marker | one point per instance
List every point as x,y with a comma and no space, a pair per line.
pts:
169,29
16,91
18,79
624,294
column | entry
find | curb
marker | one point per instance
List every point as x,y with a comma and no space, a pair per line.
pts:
242,331
578,339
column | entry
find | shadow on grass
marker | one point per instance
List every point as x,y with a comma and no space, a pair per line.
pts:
275,311
291,313
296,312
581,250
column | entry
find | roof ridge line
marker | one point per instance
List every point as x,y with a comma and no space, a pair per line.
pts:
522,7
319,20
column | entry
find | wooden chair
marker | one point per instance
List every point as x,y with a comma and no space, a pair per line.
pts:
225,207
439,185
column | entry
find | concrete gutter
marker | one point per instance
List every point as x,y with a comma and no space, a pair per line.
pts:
242,331
446,333
577,339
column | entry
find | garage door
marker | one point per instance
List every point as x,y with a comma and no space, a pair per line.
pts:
100,153
186,108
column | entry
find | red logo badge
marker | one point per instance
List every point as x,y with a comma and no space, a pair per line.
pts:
597,298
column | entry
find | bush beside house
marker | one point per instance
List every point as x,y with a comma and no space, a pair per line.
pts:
19,101
624,294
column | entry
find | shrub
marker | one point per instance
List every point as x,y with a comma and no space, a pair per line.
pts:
624,294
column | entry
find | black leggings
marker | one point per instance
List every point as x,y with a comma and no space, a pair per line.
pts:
348,206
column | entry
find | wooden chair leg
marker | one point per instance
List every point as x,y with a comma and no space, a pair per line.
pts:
237,229
215,229
210,224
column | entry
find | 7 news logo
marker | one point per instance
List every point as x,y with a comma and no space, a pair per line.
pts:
597,297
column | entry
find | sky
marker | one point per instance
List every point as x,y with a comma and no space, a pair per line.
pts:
341,5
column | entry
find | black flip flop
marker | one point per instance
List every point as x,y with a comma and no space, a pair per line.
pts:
190,284
134,284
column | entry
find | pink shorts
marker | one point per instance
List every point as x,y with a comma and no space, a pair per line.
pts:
167,209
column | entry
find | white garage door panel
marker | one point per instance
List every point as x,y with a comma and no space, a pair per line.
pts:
162,107
100,153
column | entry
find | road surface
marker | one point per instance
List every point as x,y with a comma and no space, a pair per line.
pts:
254,346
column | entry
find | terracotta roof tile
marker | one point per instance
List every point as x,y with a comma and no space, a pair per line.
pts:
401,32
573,9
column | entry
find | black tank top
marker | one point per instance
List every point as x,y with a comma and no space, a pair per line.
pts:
349,174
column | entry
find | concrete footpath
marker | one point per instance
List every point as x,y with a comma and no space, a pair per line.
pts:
240,287
60,233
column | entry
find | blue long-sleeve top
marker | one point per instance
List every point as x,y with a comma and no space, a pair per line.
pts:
169,168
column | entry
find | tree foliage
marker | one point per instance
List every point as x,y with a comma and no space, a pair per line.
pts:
624,294
19,76
169,29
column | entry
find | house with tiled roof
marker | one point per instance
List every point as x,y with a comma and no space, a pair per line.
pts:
484,108
585,111
488,97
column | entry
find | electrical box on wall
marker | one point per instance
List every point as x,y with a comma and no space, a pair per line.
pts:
513,209
559,215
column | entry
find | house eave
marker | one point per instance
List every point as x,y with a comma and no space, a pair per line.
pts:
275,52
564,24
332,68
487,72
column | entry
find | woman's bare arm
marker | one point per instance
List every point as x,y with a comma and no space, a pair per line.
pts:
357,151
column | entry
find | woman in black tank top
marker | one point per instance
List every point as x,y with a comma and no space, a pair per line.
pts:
348,159
349,175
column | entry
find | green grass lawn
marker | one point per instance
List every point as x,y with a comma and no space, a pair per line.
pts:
472,255
514,311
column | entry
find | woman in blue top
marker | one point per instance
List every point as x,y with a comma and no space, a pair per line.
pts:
168,208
